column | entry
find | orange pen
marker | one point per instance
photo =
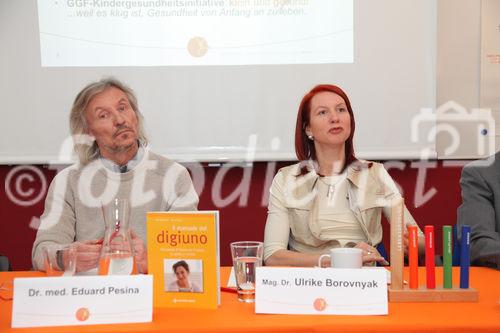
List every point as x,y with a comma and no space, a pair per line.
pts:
413,255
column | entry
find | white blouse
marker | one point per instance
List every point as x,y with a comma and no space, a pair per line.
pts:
335,219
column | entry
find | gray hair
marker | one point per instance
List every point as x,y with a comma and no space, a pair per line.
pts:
87,152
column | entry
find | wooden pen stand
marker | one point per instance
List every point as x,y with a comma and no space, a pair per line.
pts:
439,294
398,291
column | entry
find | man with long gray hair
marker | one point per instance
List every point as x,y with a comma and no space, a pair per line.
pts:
114,162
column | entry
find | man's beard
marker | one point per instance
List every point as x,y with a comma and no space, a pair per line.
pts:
116,149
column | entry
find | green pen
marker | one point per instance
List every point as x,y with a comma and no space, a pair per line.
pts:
447,254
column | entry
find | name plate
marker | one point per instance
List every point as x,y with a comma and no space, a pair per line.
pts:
82,300
321,291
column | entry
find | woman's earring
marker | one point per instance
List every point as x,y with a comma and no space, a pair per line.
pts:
310,137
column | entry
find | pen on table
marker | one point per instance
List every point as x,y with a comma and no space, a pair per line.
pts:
229,290
465,257
413,255
447,256
429,257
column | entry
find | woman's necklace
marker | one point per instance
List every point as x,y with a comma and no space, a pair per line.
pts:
331,186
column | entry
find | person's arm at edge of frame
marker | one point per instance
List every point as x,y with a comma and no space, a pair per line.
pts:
57,221
478,211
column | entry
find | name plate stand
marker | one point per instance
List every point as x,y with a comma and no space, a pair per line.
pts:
82,300
398,292
321,291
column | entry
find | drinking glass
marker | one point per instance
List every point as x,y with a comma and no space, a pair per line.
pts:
247,256
59,260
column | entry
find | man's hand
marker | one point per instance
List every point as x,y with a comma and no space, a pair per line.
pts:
87,254
140,253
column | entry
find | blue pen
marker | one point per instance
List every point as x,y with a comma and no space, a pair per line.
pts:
465,257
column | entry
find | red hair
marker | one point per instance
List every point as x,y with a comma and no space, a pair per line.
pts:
304,148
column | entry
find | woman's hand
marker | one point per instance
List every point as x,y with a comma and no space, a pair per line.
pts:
371,254
140,253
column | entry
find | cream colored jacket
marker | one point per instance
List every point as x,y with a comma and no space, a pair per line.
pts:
292,214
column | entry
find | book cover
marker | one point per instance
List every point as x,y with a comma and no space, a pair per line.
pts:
183,257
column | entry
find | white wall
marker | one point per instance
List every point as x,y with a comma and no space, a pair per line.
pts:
459,80
458,51
209,112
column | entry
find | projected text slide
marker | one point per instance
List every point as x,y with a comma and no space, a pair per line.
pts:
195,32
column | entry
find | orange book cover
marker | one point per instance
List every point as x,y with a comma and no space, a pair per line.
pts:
183,257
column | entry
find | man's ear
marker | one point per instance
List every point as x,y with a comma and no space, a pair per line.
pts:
87,129
89,136
83,139
88,132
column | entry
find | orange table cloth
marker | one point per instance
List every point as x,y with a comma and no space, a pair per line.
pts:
234,316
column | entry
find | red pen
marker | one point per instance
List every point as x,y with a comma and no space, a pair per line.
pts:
429,257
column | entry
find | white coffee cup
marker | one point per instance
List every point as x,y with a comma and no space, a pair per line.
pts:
344,257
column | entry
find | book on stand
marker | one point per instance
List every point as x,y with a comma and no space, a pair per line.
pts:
183,257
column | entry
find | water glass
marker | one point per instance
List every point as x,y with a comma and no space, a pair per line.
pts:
59,259
247,256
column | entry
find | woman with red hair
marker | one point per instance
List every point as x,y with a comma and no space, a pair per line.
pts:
330,198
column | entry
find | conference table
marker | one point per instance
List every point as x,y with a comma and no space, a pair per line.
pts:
235,316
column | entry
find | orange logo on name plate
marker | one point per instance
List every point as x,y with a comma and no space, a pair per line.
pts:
82,314
319,304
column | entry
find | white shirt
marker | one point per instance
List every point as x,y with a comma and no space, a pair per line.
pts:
335,218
